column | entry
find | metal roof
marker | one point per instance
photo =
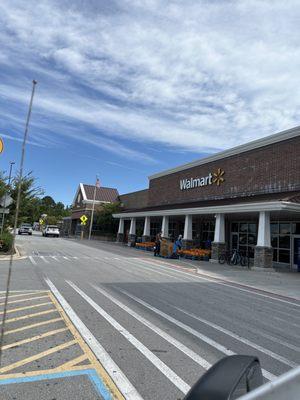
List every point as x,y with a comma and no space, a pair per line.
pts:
104,194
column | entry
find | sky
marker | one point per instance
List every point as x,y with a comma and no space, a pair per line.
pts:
128,88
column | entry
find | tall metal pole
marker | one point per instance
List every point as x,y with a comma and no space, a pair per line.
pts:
16,220
93,209
4,207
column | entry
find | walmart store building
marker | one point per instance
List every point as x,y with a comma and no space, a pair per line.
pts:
247,197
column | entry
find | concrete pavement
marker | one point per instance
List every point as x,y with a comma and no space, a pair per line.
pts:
161,326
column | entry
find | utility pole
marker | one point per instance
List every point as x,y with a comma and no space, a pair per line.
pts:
34,82
4,206
93,207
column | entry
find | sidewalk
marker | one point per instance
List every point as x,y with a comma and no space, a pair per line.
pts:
280,283
19,254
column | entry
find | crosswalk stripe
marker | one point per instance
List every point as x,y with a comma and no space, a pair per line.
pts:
180,346
32,260
44,259
192,331
125,386
157,362
240,338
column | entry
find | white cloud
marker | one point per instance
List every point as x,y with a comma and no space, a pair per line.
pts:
194,75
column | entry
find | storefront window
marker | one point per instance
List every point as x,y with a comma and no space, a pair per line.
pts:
284,228
208,231
284,242
296,228
234,227
155,228
281,241
244,237
284,256
274,227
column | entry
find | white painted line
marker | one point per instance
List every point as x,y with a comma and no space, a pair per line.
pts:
75,258
180,346
32,260
55,258
222,282
66,258
190,330
121,381
277,340
44,259
160,365
240,338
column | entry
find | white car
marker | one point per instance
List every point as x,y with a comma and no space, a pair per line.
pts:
51,230
25,228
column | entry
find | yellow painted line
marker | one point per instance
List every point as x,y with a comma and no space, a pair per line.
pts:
66,366
30,316
106,378
33,338
26,291
24,328
22,294
20,300
37,356
42,372
25,308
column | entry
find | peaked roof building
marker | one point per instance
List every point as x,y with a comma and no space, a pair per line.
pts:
83,200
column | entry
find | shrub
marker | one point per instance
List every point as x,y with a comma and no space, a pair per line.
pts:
6,241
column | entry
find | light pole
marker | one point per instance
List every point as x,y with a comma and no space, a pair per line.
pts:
4,206
34,82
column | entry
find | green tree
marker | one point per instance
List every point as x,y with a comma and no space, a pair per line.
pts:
29,202
3,185
104,223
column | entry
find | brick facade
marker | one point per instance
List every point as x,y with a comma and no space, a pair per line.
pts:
269,169
134,200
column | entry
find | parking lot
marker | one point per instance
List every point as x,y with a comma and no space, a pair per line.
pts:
42,347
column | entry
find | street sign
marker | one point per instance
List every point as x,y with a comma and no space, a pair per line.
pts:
83,219
1,145
6,201
41,221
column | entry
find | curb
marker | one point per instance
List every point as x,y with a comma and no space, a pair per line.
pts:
16,256
242,285
200,272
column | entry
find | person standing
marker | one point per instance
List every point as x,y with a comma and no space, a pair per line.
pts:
157,244
177,246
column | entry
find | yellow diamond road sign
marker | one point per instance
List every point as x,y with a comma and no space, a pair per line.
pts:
41,221
83,219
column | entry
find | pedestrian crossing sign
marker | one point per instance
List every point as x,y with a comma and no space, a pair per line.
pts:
83,219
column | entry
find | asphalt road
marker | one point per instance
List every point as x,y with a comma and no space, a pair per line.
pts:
156,328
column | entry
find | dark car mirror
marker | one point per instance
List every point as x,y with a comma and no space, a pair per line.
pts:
228,379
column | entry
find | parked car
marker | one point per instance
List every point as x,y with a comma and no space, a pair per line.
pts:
51,230
25,228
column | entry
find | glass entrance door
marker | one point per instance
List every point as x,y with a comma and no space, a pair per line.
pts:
296,252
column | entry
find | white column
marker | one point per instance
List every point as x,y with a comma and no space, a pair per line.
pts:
146,227
220,229
132,226
188,228
264,230
121,226
165,227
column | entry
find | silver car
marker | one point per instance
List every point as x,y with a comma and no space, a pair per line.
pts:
25,229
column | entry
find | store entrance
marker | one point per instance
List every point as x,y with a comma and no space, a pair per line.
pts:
296,252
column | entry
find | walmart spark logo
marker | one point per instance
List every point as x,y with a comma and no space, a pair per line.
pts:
218,176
